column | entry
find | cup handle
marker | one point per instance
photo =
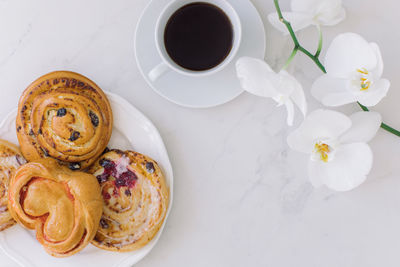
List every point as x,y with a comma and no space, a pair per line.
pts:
158,70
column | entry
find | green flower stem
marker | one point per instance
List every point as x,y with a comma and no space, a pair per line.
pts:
287,23
383,125
291,57
319,42
297,45
315,58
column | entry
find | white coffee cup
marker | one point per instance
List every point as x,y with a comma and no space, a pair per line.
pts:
167,64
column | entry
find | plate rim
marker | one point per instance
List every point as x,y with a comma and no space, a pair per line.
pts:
127,261
153,87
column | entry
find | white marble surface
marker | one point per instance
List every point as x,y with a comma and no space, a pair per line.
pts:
242,198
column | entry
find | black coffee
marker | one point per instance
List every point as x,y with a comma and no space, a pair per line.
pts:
198,36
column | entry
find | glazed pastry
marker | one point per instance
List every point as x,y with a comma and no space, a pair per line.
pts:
135,199
10,160
66,116
63,206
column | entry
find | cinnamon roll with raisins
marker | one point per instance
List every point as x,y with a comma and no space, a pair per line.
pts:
66,116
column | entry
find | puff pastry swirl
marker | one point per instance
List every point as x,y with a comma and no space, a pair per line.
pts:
63,206
135,197
10,160
66,116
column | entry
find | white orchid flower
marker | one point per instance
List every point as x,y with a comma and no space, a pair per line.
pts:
310,12
354,69
257,77
340,157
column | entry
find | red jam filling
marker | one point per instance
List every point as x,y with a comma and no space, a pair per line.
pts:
126,178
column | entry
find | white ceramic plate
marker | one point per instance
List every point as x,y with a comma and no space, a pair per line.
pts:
198,92
132,130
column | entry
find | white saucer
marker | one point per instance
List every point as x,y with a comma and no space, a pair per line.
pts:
132,130
198,92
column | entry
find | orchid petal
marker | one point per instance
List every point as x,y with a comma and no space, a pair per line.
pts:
314,174
347,170
319,124
375,94
257,77
298,21
304,5
298,97
286,83
326,12
364,127
379,67
330,12
331,91
290,112
339,17
347,53
297,93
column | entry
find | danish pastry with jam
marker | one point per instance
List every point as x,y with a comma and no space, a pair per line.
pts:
135,197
